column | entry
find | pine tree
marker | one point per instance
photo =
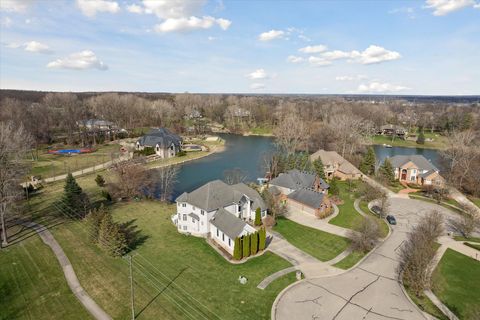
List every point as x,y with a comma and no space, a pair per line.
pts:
258,217
368,163
246,246
237,249
93,220
262,238
110,238
421,137
253,243
333,189
386,171
100,181
318,168
74,201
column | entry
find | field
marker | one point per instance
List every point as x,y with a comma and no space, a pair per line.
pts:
454,283
439,142
321,245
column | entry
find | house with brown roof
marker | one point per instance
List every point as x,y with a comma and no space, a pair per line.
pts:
336,166
416,169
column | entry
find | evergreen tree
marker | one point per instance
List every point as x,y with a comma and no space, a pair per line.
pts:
334,190
93,220
100,181
386,171
237,249
368,163
253,243
258,217
74,201
421,137
318,168
246,246
262,238
110,237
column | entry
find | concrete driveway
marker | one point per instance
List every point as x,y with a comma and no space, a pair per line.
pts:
369,291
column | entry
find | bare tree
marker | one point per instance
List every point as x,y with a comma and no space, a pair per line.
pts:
366,236
167,177
418,251
131,180
234,176
467,223
291,133
384,204
14,145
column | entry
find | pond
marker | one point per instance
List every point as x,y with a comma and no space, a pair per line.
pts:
247,154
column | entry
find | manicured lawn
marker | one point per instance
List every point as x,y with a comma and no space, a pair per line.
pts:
456,282
49,165
32,284
438,143
382,223
263,131
471,239
350,260
322,245
471,245
426,305
347,217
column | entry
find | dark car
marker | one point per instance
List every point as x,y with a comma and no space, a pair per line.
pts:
377,210
391,219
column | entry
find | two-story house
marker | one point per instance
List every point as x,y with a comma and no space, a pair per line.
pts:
415,169
334,165
165,143
219,211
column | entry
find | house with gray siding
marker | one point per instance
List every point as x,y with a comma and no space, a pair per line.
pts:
165,143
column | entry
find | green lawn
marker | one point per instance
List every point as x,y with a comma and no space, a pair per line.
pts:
426,305
322,245
455,284
438,143
32,284
262,131
471,239
382,223
49,165
350,260
471,245
347,217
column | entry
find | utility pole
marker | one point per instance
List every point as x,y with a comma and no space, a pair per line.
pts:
131,287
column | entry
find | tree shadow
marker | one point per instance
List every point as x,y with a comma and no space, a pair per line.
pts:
133,236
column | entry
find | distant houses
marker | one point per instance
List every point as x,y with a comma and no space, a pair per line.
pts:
302,191
335,166
165,143
392,130
416,169
219,211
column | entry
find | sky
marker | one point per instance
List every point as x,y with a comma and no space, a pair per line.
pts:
429,47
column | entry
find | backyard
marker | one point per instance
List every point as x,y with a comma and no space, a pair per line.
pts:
439,142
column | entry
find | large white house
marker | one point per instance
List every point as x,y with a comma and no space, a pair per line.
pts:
219,211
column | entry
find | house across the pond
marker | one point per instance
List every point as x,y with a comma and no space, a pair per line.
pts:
165,143
416,169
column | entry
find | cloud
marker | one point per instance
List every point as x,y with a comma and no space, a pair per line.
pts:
408,11
191,23
257,74
13,45
295,59
257,86
91,7
6,22
319,61
444,7
135,9
173,9
271,35
351,78
373,54
379,87
34,46
313,49
19,6
79,61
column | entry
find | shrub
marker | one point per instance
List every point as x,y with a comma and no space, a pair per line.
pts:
181,153
334,190
253,243
262,238
246,245
258,217
100,180
145,152
237,249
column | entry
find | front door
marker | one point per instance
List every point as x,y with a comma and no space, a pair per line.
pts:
404,175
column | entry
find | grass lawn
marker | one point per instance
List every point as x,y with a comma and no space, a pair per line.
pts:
32,284
347,217
438,143
382,223
471,245
471,239
262,131
49,165
454,283
350,260
442,203
322,245
426,305
475,200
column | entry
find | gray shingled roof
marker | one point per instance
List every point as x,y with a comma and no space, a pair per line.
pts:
217,194
420,161
228,223
308,197
296,179
163,137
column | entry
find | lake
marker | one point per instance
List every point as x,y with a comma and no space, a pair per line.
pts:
246,153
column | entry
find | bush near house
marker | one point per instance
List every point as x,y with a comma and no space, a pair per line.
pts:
237,249
253,243
100,180
246,246
258,217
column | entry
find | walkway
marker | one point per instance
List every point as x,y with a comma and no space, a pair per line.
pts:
68,271
460,198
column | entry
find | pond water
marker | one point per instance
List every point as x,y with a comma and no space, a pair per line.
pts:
247,153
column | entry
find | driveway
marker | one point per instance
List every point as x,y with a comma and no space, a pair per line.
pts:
369,291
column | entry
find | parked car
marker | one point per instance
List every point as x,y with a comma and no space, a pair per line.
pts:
377,210
391,219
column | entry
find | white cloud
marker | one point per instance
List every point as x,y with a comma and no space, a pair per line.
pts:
135,9
257,74
13,45
173,9
189,24
79,61
477,6
444,7
408,11
34,46
257,86
295,59
210,38
338,54
380,87
19,6
6,22
351,78
319,61
271,35
313,49
91,7
373,54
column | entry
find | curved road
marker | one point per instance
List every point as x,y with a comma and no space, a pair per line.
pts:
369,291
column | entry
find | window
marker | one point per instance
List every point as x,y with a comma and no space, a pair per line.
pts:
193,208
193,220
184,205
218,233
184,217
202,212
229,242
185,228
223,236
414,171
412,178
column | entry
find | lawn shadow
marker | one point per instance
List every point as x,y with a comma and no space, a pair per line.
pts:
134,237
22,232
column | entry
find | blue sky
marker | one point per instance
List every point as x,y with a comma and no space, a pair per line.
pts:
386,47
